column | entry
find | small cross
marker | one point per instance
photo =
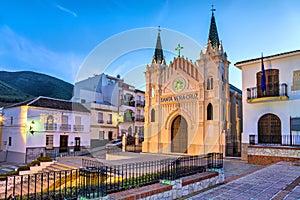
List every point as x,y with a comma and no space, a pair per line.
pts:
212,9
178,48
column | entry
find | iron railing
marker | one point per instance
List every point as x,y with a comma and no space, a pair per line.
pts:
96,180
284,140
140,103
78,127
271,91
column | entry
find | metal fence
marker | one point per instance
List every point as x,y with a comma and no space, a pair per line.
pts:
284,140
96,180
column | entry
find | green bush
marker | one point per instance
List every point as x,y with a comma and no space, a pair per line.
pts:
11,173
35,162
23,168
44,159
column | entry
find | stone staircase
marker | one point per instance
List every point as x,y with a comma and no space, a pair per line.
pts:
57,166
36,182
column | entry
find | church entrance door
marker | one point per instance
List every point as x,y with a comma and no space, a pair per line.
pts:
179,135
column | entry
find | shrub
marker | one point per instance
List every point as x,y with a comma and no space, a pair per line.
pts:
23,168
11,173
35,162
44,159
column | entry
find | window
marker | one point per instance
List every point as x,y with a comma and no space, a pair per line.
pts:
49,141
9,141
101,135
209,84
50,123
209,112
152,91
83,101
272,83
109,121
11,120
100,117
152,115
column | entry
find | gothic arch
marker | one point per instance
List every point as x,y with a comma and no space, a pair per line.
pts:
179,135
175,113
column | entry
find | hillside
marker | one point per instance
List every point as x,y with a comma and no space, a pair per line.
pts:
19,86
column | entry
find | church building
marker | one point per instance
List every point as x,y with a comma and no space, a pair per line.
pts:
187,104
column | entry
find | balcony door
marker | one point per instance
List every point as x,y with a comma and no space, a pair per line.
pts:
269,129
272,83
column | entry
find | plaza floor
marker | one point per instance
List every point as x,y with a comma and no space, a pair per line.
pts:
277,181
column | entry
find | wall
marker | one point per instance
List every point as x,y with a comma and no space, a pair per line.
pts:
262,155
283,109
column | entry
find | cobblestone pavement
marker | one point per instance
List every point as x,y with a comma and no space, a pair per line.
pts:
278,181
235,167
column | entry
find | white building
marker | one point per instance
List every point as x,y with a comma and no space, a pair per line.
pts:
267,114
44,126
116,107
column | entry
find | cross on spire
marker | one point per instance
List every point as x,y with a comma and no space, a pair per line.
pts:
178,48
159,30
212,9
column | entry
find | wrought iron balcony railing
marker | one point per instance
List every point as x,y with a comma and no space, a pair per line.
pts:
272,90
50,127
140,103
78,128
65,127
139,118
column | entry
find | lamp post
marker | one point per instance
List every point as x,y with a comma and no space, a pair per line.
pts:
1,124
31,127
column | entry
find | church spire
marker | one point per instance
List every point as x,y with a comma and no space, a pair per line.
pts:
213,37
158,54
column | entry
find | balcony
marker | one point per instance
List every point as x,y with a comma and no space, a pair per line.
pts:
109,122
274,92
128,103
78,128
100,121
139,118
140,103
50,127
65,127
128,119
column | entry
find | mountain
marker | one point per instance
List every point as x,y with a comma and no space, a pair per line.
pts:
19,86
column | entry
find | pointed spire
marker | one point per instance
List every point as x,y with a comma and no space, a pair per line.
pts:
158,54
213,37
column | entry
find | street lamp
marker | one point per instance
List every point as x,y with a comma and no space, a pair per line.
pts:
31,126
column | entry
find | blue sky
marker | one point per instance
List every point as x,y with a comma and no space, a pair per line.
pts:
56,37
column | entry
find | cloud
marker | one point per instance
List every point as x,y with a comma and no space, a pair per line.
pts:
19,53
66,10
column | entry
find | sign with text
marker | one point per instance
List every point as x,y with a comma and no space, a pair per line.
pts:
178,98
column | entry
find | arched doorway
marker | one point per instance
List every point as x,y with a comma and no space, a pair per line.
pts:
179,135
269,129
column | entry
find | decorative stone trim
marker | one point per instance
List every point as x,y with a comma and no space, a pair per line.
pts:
175,189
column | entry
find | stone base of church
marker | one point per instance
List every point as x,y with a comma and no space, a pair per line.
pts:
193,149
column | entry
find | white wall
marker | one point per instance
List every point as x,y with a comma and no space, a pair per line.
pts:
283,109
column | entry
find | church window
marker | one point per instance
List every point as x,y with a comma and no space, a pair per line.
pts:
209,85
152,115
152,91
209,112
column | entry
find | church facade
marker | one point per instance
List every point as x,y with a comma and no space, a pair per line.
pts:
187,104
